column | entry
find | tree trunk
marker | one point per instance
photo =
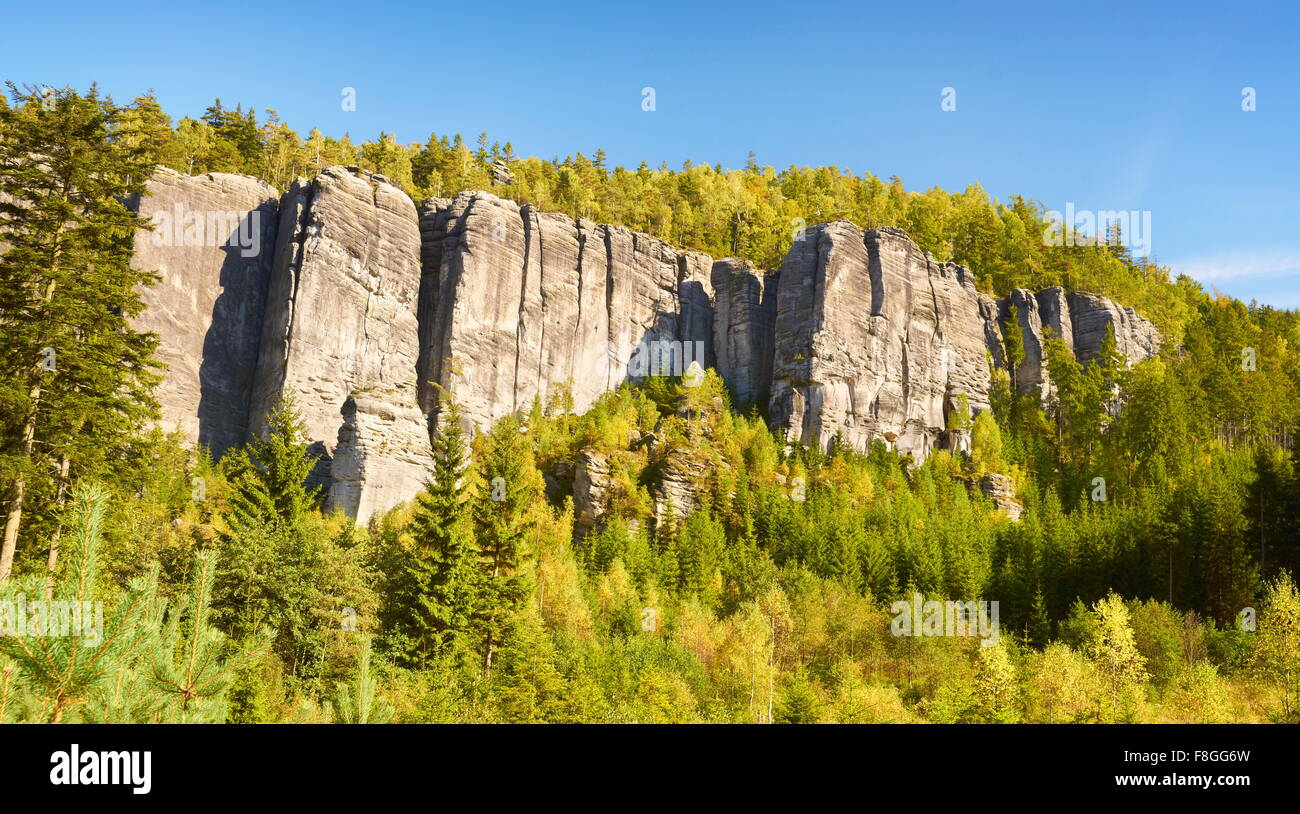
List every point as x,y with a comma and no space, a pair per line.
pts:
19,495
16,501
53,559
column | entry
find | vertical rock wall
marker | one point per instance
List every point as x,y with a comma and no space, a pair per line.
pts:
362,309
341,337
523,304
212,245
874,341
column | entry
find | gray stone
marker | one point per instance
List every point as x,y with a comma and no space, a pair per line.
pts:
998,489
874,341
212,249
743,329
1135,337
526,304
341,337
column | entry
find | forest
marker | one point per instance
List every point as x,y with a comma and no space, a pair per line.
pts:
225,594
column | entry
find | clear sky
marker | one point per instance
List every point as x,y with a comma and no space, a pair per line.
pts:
1114,106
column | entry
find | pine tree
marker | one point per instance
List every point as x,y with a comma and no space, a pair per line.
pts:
64,666
356,703
188,664
75,378
500,511
443,567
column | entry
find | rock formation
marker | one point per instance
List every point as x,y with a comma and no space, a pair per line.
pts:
212,244
345,297
743,329
874,341
998,489
340,336
519,304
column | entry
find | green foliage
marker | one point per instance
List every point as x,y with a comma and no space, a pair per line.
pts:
356,703
75,378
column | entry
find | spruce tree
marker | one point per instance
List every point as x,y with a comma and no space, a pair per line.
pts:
443,567
269,475
271,539
500,512
75,378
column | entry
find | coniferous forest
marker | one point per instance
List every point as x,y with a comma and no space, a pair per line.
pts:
1171,599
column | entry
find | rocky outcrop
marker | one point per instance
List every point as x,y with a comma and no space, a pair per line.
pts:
1030,375
999,489
341,338
874,341
1080,320
366,309
212,242
1135,338
591,485
523,304
743,329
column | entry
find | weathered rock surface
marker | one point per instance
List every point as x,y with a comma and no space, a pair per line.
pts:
1030,374
341,337
591,485
525,303
212,245
1081,320
874,341
1135,337
367,308
999,489
743,329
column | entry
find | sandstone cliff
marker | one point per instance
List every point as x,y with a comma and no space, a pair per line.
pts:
874,341
519,304
213,239
345,297
340,336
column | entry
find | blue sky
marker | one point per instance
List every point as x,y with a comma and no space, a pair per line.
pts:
1130,106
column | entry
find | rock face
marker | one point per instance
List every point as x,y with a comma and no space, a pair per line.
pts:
591,485
212,244
519,304
999,489
874,341
743,329
1031,373
341,338
344,297
1080,320
1135,337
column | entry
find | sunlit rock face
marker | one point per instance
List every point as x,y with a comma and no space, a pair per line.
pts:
743,329
365,310
519,304
874,341
341,339
212,243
